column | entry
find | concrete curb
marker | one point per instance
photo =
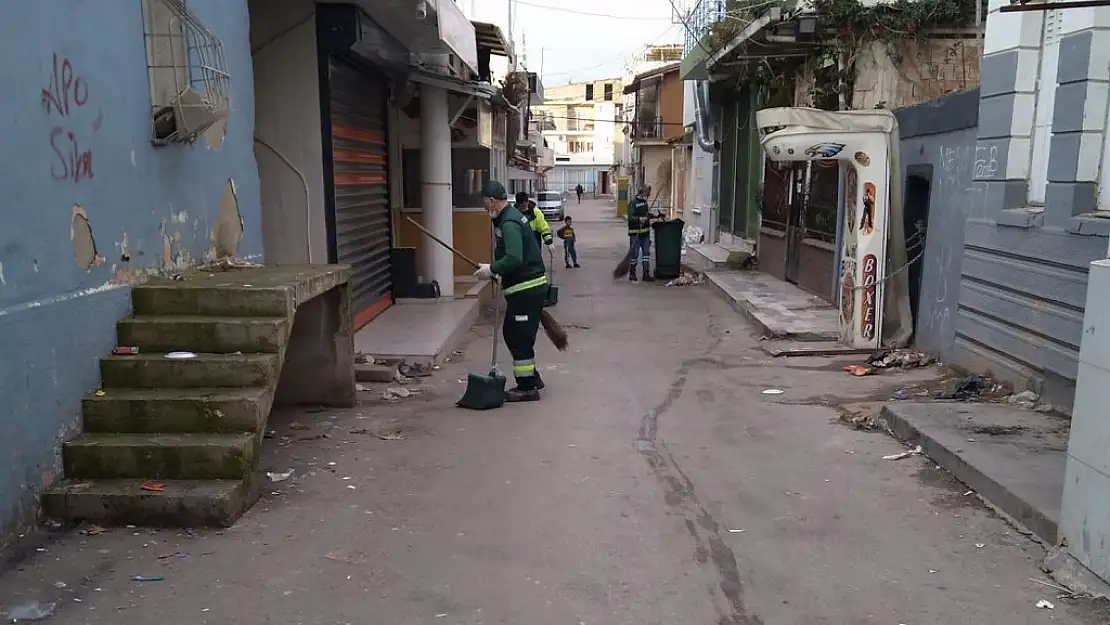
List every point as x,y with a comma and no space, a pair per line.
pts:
967,472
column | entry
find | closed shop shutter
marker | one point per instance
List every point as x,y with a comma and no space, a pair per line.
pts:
359,159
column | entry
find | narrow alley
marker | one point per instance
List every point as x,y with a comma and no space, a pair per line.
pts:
655,484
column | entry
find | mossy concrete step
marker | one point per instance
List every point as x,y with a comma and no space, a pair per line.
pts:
222,300
204,371
173,410
160,456
183,503
168,333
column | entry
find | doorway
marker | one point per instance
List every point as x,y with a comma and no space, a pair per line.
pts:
604,183
919,182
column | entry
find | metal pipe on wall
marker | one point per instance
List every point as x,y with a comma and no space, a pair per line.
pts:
435,187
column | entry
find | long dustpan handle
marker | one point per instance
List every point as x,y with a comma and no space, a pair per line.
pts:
496,298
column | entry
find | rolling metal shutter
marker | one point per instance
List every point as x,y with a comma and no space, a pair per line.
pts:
359,158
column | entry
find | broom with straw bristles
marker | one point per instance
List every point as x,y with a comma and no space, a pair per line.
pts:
626,263
554,331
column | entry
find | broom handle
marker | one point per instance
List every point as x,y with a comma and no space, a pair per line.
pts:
433,237
496,301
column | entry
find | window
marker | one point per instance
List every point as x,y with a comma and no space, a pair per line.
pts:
589,93
190,87
608,92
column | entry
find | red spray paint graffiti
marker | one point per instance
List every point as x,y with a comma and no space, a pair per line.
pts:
66,93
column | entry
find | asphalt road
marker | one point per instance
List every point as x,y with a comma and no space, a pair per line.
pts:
655,484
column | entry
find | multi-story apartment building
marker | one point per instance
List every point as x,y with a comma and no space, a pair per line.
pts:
578,121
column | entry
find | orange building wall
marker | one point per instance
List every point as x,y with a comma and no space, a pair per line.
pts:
472,236
670,105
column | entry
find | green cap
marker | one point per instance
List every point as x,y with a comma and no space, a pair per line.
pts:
495,190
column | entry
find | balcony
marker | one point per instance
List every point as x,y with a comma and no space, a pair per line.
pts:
648,129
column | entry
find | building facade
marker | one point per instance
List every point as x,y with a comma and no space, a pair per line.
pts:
162,136
578,122
656,112
99,196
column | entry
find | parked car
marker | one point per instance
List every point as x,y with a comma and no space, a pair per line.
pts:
551,204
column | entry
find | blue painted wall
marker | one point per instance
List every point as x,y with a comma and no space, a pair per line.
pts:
157,205
938,142
1000,294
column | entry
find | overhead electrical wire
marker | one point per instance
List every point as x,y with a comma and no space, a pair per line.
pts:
623,56
589,14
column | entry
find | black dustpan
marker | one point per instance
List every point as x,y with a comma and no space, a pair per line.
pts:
486,391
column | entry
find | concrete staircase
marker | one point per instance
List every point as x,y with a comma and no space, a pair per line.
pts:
190,431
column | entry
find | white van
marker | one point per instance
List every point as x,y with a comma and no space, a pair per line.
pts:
551,204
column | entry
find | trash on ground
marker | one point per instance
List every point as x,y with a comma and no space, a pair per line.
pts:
297,425
363,359
154,487
901,395
125,351
688,278
93,530
971,388
31,611
735,531
1044,604
99,393
773,391
390,436
395,393
1024,398
180,355
904,358
916,451
361,387
858,370
148,578
279,477
415,370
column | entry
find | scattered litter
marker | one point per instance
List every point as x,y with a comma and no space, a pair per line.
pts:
59,584
858,370
363,359
735,531
154,487
904,358
269,434
773,391
901,395
93,530
180,355
227,264
971,388
1027,399
31,611
1064,591
99,393
279,477
1045,605
417,370
125,351
390,436
686,279
181,555
916,451
345,555
352,487
395,393
440,615
361,387
980,545
148,578
296,425
968,493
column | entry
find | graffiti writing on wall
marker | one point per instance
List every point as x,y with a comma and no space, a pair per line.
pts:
870,305
64,95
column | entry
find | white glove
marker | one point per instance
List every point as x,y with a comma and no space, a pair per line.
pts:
483,272
551,248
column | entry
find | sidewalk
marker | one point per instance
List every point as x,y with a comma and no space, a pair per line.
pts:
782,310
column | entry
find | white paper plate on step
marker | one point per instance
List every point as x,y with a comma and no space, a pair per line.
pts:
180,355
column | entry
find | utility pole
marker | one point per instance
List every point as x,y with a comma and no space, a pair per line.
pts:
523,50
512,46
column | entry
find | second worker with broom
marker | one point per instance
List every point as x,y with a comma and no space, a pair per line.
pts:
518,266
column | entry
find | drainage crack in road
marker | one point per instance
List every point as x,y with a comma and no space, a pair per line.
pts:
680,493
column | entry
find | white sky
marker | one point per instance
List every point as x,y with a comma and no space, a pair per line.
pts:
577,47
